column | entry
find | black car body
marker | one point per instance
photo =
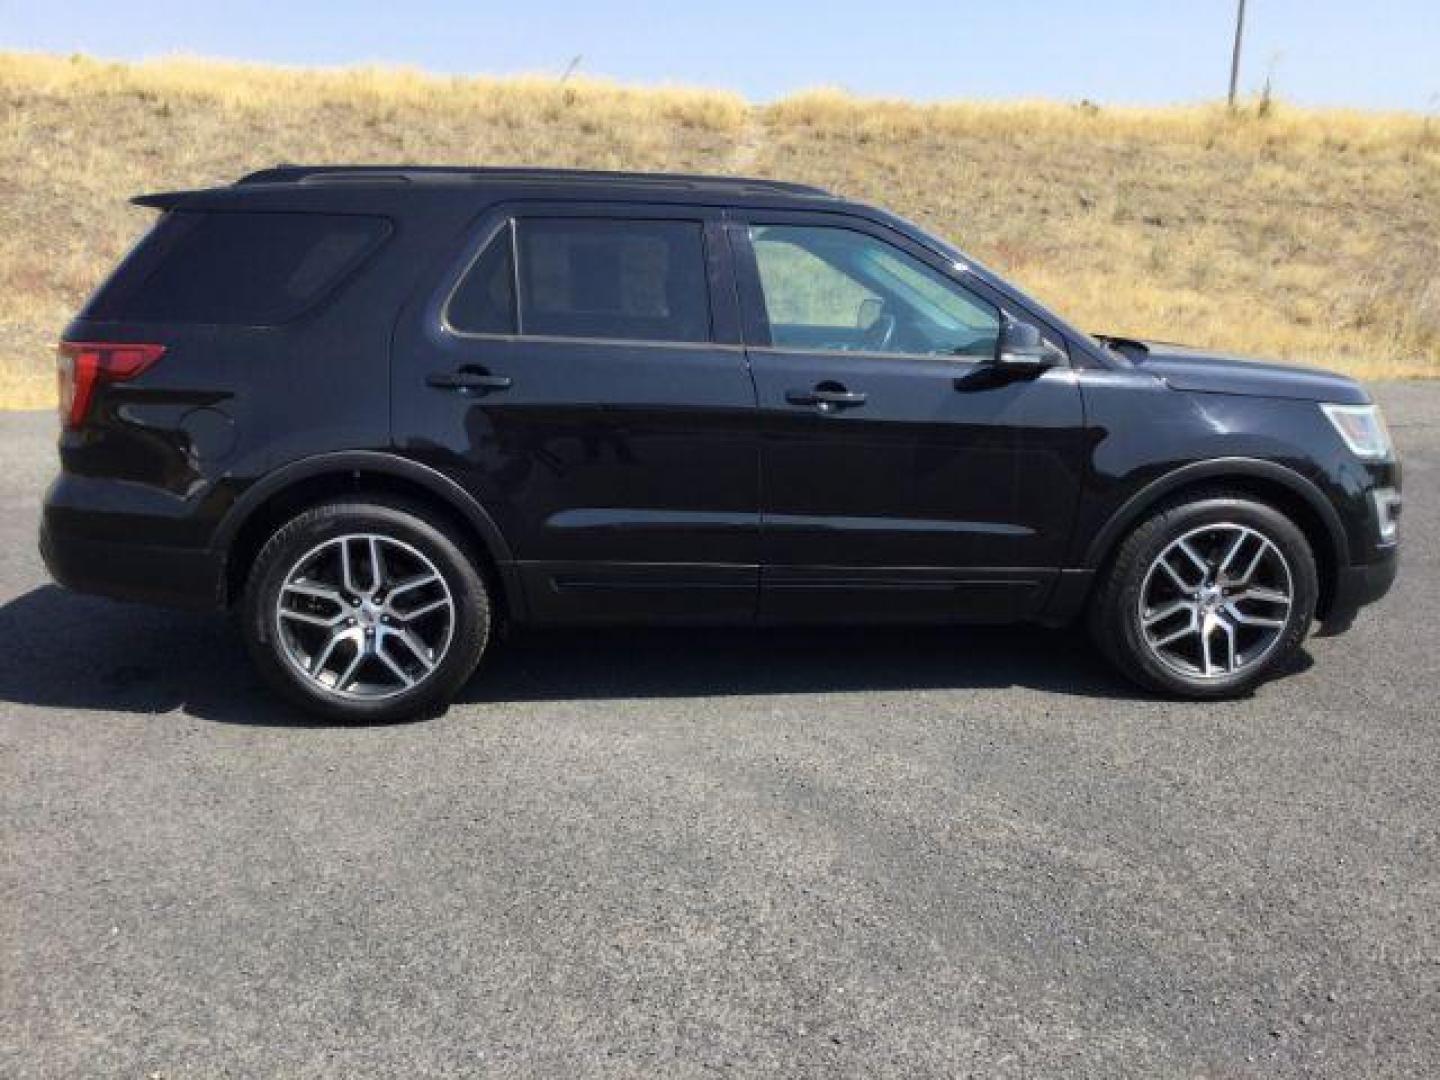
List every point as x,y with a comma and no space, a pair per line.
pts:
583,378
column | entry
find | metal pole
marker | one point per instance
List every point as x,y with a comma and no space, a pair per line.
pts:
1235,56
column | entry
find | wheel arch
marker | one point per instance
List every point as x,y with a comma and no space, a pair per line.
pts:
1266,481
287,491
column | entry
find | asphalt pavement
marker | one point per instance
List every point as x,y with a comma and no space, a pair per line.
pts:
799,854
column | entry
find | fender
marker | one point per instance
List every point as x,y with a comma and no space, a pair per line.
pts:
1218,469
354,461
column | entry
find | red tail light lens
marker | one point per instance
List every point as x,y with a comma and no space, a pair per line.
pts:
82,365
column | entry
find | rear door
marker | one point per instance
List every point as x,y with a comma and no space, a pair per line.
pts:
903,475
580,371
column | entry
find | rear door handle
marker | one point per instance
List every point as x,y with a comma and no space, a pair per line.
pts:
479,382
826,396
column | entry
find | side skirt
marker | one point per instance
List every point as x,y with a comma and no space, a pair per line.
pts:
565,593
902,594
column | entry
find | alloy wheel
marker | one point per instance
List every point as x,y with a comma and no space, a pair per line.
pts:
1216,601
364,616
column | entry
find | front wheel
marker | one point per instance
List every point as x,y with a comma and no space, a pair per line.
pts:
366,612
1207,598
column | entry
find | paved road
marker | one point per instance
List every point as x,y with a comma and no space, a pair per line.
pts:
818,854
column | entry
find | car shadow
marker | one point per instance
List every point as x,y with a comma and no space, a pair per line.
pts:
67,651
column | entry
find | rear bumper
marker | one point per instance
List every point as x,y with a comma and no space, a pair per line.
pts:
172,577
1356,586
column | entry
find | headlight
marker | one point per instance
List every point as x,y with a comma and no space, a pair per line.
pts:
1363,429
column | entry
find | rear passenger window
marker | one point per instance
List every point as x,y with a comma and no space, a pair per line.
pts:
624,279
606,279
242,268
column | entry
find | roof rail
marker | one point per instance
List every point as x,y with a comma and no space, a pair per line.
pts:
404,174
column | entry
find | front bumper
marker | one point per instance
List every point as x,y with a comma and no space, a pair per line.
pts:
1356,586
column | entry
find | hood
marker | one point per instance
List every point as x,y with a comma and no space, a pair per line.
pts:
1184,368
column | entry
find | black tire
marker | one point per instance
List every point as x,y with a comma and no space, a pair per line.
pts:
1115,608
406,524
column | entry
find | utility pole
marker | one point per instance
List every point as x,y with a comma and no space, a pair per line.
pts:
1235,56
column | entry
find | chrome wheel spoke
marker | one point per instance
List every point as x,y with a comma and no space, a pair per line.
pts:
1252,620
406,679
1168,611
415,646
1205,647
321,658
1229,632
1208,635
422,610
1240,538
377,566
1265,596
347,568
1185,631
412,583
311,619
314,591
1183,546
1180,583
336,621
346,677
1254,564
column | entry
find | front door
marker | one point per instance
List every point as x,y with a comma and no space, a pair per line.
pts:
902,474
580,372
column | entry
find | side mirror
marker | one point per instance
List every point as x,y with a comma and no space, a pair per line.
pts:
869,312
1022,348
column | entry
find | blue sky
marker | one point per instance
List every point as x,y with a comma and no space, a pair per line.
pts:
1376,54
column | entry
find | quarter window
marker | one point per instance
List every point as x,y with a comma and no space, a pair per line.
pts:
484,302
236,267
829,288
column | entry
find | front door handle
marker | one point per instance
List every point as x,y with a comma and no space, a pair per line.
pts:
827,397
468,380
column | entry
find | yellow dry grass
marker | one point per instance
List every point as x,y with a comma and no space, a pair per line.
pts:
1296,234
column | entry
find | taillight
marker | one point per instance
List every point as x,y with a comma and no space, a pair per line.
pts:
82,365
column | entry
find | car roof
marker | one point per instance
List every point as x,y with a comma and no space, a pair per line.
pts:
396,186
587,179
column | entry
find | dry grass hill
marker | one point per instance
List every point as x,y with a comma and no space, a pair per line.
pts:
1307,235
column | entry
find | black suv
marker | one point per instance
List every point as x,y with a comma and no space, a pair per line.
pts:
377,410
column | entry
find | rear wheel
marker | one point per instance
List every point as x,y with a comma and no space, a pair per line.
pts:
1207,598
366,611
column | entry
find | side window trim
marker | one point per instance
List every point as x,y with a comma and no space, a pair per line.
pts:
508,227
753,321
718,273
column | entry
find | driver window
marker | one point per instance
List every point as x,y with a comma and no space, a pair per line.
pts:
828,288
